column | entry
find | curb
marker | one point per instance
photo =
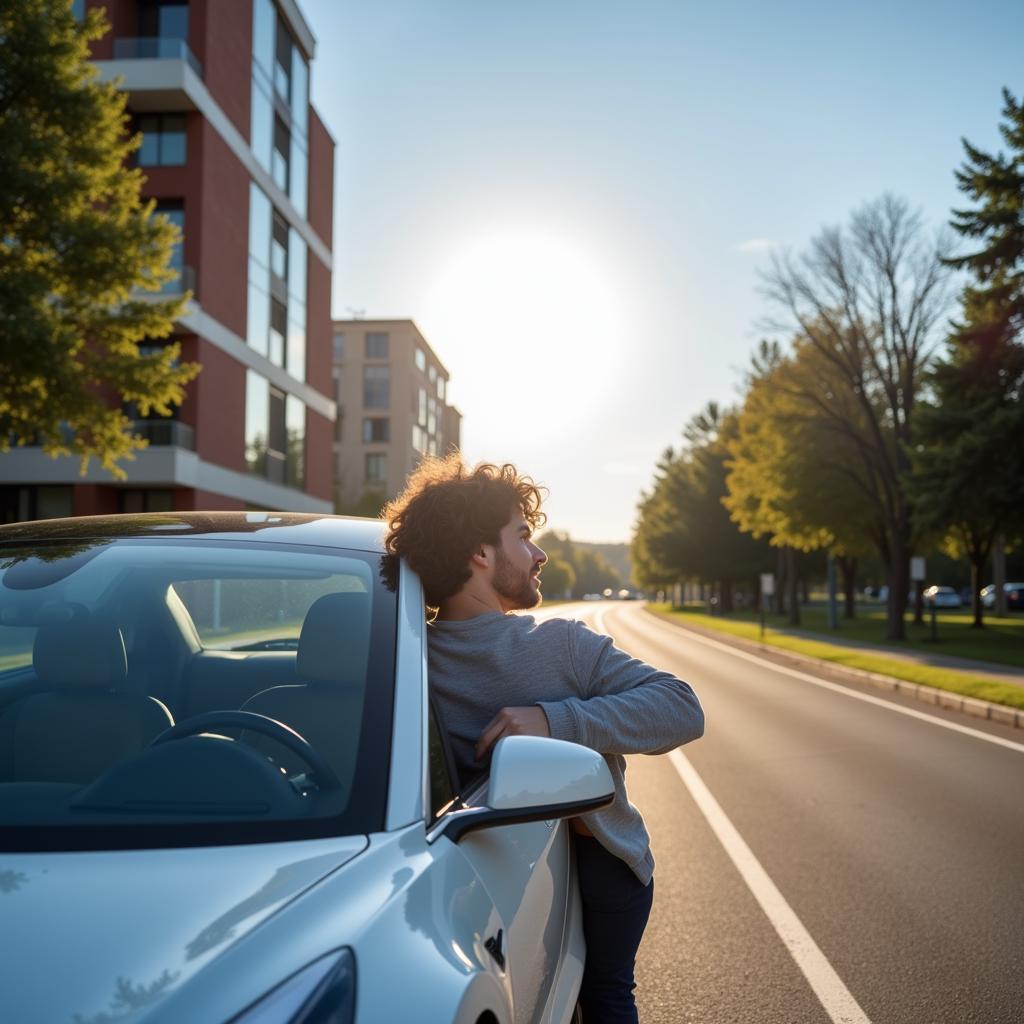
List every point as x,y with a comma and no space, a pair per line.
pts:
1002,713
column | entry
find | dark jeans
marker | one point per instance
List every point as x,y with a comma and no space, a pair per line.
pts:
616,906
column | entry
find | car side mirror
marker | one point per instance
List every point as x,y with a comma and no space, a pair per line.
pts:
536,779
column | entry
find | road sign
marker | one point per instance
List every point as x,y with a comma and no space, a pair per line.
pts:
767,583
917,573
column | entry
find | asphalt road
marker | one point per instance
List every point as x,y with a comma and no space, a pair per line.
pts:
882,852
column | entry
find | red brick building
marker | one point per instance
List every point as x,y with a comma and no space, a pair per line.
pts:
236,156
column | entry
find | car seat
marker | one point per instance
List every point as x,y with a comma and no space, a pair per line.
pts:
325,707
80,721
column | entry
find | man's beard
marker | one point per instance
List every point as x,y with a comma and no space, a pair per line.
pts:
513,584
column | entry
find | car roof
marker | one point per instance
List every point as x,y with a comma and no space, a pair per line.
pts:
275,527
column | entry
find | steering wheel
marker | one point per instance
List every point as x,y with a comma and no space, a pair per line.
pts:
326,777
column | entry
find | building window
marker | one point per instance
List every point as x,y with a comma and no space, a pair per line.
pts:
163,140
432,375
377,345
174,211
376,468
279,248
278,331
277,286
339,412
148,499
376,387
339,346
376,429
421,359
419,439
20,504
275,432
295,426
279,158
279,126
421,407
431,416
440,388
283,61
163,19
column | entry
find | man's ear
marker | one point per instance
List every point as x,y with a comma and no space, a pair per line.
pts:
481,557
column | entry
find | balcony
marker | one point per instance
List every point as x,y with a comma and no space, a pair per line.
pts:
158,74
166,433
156,48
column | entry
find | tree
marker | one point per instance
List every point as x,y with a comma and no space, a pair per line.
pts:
76,243
994,303
969,479
558,578
591,572
970,468
369,505
868,301
792,476
684,530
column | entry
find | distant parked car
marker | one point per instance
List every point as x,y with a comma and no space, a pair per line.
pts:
1014,595
941,597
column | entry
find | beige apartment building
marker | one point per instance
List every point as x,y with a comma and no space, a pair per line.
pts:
391,392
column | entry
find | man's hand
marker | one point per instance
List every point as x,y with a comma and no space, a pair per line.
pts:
529,721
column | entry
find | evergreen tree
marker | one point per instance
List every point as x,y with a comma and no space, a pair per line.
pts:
994,301
76,243
969,477
969,474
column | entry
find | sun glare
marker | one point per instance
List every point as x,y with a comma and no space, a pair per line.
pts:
529,323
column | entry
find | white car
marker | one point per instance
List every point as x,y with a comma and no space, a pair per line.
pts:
1014,595
941,597
224,798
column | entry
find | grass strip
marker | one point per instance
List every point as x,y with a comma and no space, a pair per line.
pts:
963,683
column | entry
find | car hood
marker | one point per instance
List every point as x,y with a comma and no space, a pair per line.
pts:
102,938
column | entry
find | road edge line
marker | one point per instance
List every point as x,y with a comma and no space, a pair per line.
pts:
830,990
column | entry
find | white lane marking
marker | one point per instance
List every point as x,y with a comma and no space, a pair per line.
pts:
835,687
833,995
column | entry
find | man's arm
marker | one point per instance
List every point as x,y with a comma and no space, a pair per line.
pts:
628,706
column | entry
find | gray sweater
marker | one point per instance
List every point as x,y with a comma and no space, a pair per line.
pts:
591,692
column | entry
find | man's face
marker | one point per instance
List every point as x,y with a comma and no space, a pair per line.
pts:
517,565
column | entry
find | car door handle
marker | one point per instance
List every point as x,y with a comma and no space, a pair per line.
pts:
493,946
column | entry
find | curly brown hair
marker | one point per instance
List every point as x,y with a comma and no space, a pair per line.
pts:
448,510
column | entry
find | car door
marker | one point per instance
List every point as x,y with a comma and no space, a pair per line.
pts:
525,870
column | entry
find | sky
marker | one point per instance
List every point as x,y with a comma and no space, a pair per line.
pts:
574,200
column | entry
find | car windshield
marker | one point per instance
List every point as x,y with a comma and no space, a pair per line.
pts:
184,691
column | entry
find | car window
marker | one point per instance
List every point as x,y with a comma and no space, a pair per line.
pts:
442,790
181,690
259,614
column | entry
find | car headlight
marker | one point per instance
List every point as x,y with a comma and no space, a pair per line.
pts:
322,993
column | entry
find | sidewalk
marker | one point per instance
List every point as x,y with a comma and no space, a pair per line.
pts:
984,669
949,699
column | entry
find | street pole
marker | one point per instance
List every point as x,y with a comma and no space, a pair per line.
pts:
833,610
766,590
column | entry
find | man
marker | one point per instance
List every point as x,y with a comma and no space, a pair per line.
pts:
468,534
